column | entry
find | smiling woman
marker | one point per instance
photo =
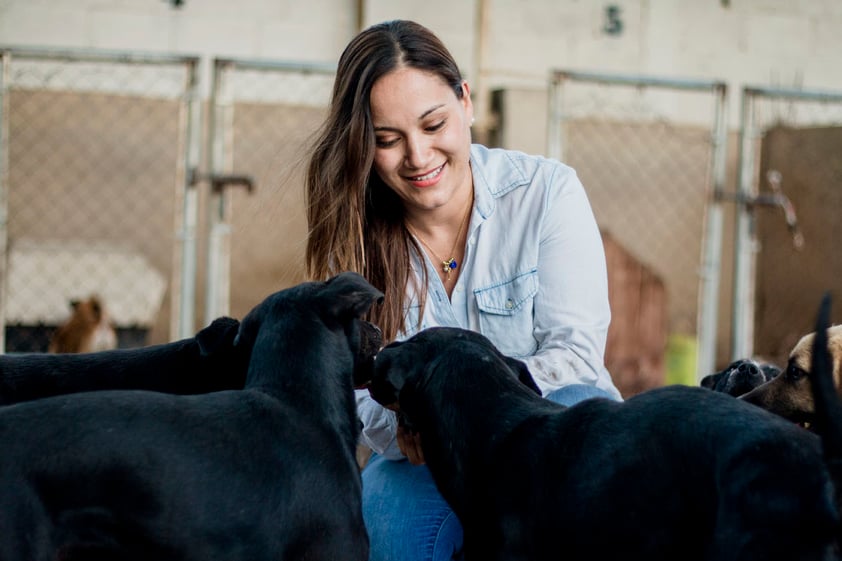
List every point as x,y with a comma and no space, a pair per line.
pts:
454,234
423,154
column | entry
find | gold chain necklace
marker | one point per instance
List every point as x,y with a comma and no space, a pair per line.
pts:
447,265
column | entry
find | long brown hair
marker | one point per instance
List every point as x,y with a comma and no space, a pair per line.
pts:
356,222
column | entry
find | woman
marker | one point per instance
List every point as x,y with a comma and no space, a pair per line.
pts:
454,234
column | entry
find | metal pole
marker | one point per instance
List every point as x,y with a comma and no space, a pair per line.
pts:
217,291
554,140
186,309
5,63
480,90
745,251
712,252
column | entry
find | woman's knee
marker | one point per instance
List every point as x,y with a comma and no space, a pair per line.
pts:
406,517
574,393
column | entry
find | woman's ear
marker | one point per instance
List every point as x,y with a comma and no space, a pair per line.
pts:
467,103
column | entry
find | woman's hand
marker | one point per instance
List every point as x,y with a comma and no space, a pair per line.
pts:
409,443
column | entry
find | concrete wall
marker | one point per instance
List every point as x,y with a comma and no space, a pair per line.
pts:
499,44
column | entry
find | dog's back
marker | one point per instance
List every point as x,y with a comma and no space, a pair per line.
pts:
133,475
200,364
266,472
672,473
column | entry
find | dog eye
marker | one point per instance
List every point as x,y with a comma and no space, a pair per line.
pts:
793,374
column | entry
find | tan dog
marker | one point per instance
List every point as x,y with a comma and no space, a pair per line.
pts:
790,394
88,330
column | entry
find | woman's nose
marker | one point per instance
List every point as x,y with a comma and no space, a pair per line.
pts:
417,152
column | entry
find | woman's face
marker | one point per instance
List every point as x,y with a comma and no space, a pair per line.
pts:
423,137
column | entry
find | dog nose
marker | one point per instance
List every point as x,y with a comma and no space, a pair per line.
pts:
749,375
749,369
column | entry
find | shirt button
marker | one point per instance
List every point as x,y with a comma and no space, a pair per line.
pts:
458,289
509,304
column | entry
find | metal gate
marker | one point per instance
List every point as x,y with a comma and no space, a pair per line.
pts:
651,154
264,115
788,199
94,195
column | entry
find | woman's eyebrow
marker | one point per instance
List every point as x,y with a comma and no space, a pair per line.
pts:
424,114
430,110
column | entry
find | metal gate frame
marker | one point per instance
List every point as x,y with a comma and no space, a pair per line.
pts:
709,276
184,275
747,199
219,162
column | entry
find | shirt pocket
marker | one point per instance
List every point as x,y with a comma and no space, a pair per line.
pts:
506,313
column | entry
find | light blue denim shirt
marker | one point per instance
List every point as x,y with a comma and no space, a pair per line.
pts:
533,279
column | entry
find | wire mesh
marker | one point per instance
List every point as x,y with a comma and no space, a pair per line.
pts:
93,149
797,186
644,148
266,116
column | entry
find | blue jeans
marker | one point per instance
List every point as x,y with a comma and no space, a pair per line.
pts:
406,517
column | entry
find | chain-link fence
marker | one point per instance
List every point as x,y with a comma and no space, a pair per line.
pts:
265,114
92,181
788,228
650,154
100,159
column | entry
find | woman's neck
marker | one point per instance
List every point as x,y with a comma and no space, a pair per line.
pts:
442,221
442,234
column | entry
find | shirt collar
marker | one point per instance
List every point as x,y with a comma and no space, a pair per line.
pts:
495,173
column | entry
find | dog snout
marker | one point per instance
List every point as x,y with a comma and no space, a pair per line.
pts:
383,388
371,339
384,393
751,374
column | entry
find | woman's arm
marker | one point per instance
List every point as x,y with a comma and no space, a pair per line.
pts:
379,426
571,310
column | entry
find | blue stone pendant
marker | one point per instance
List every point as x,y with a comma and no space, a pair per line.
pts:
447,266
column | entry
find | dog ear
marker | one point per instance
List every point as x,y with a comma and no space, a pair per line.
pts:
524,376
351,294
827,405
219,335
710,380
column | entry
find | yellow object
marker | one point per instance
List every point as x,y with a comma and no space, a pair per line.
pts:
681,360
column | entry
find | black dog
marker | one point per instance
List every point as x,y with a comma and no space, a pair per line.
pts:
673,473
740,377
201,364
263,473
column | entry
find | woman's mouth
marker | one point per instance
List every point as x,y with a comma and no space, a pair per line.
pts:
428,178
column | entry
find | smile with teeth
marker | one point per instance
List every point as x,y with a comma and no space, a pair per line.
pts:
430,175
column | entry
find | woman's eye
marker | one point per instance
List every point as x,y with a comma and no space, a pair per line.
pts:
435,127
386,142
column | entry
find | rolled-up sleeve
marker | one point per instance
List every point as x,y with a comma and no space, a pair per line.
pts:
571,312
379,426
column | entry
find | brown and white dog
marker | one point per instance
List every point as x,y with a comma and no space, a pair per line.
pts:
790,394
89,329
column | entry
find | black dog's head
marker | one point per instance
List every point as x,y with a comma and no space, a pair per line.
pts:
412,362
320,317
740,377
